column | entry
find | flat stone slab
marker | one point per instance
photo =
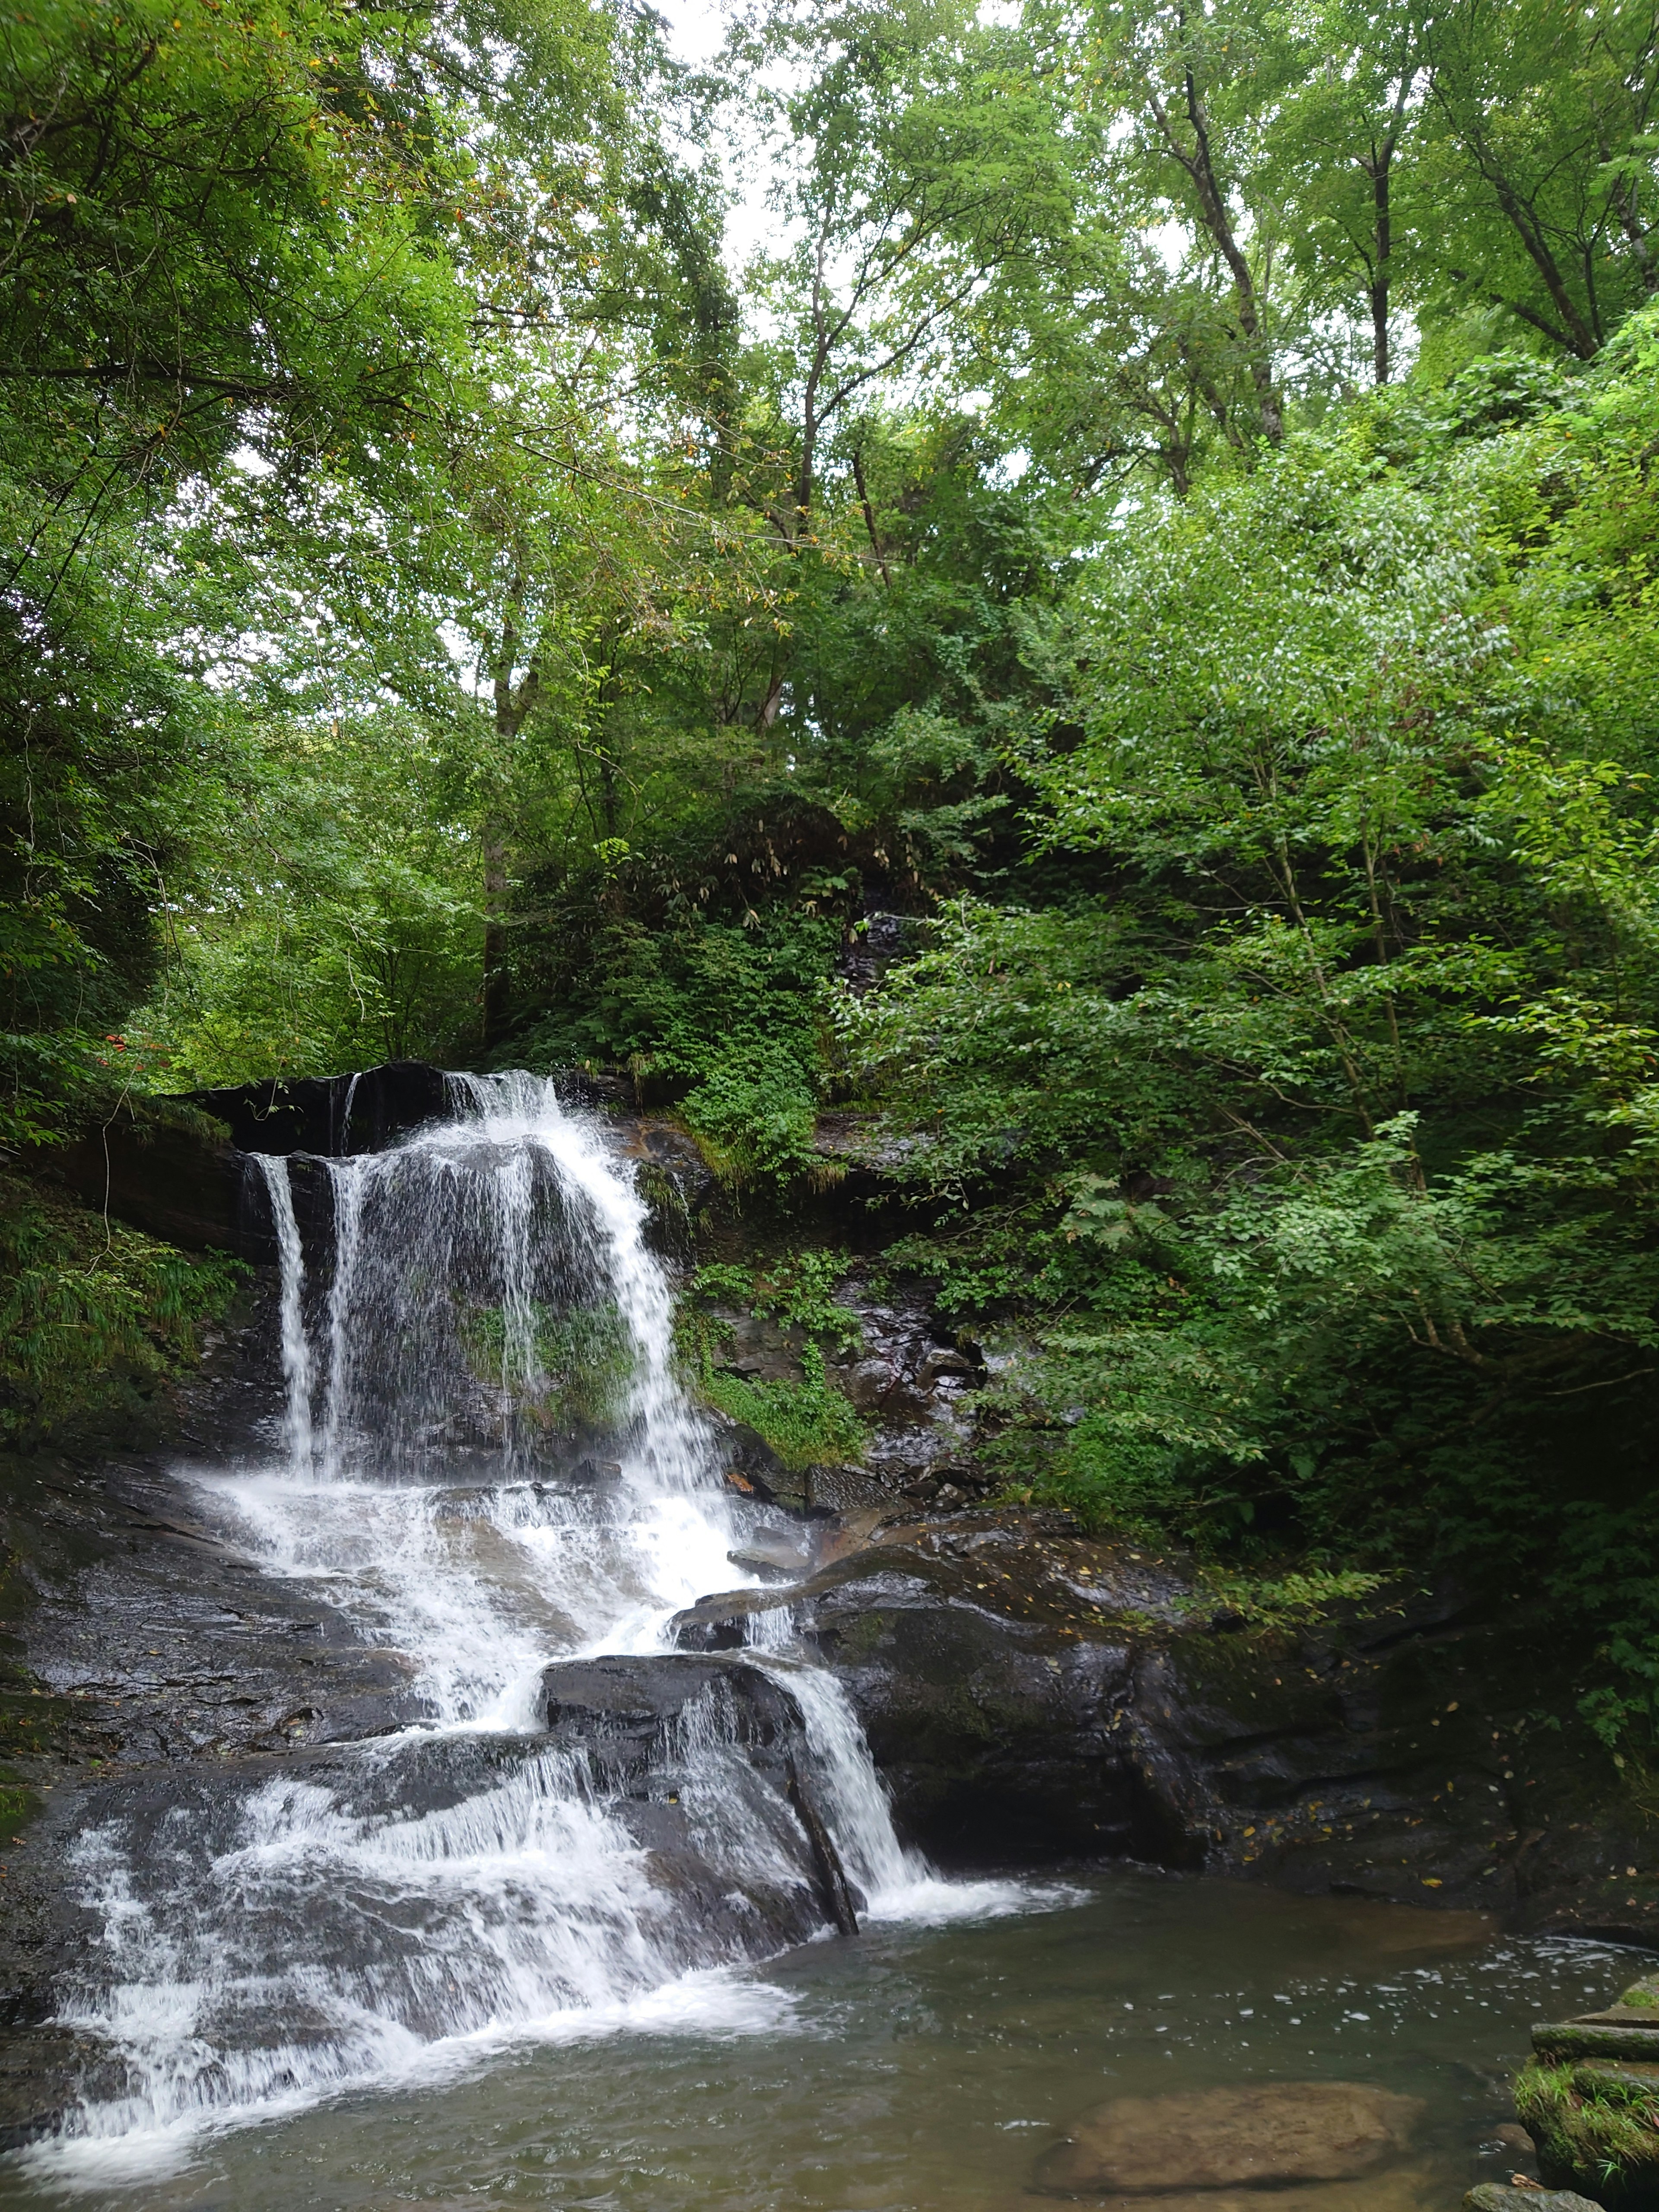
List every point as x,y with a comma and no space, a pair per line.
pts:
1578,2038
1280,2132
1500,2197
1591,2076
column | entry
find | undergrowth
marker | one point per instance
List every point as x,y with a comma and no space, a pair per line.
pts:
807,1424
93,1316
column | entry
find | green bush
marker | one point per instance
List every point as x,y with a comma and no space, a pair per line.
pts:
798,1288
807,1424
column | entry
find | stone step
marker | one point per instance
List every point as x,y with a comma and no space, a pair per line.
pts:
1578,2039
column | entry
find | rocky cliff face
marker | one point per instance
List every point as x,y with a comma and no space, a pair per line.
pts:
1030,1692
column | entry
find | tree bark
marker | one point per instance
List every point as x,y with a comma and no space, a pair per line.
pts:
1382,240
513,702
1198,163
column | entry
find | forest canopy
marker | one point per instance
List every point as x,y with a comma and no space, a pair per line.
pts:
1116,639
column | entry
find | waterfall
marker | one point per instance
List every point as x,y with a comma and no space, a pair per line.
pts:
501,1476
296,1352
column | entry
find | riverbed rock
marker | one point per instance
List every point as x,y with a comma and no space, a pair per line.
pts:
1392,2189
1590,2098
1272,2135
692,1751
1503,2197
998,1737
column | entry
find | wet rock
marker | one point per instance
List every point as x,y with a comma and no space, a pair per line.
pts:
35,2067
778,1562
1589,2099
330,1114
1595,2040
644,1725
1032,1693
1277,2134
621,1707
174,1175
675,1795
669,1174
1512,2139
997,1737
761,1351
1504,2196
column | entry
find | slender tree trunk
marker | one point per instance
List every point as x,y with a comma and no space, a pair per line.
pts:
1382,241
513,702
1572,330
1198,160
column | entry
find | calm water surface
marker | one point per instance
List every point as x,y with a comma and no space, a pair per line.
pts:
915,2069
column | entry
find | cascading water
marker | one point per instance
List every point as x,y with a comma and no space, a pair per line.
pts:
488,1465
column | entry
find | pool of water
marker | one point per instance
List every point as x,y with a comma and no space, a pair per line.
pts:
917,2068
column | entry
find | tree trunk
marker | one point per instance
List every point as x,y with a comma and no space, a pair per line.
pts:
513,704
1198,163
1382,241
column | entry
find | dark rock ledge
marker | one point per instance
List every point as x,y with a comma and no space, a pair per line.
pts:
1030,1692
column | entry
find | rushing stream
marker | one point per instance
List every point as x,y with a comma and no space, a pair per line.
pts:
463,1882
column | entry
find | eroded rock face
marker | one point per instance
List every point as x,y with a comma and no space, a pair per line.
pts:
997,1728
1278,2134
707,1762
1029,1691
674,1795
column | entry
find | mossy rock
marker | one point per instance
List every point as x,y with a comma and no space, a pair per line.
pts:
1499,2196
1599,2038
1597,2129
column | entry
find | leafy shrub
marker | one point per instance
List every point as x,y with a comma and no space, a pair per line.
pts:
799,1288
807,1424
727,1020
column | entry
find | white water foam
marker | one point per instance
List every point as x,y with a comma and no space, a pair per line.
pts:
414,1901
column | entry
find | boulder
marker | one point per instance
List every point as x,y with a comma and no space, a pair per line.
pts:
1278,2134
1504,2196
1590,2098
1031,1692
697,1753
998,1738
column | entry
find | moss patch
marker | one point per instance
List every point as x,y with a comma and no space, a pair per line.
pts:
807,1424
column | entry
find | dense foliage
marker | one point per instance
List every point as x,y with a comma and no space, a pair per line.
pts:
1117,644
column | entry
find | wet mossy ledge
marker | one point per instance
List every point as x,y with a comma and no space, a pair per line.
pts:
99,1322
1590,2099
